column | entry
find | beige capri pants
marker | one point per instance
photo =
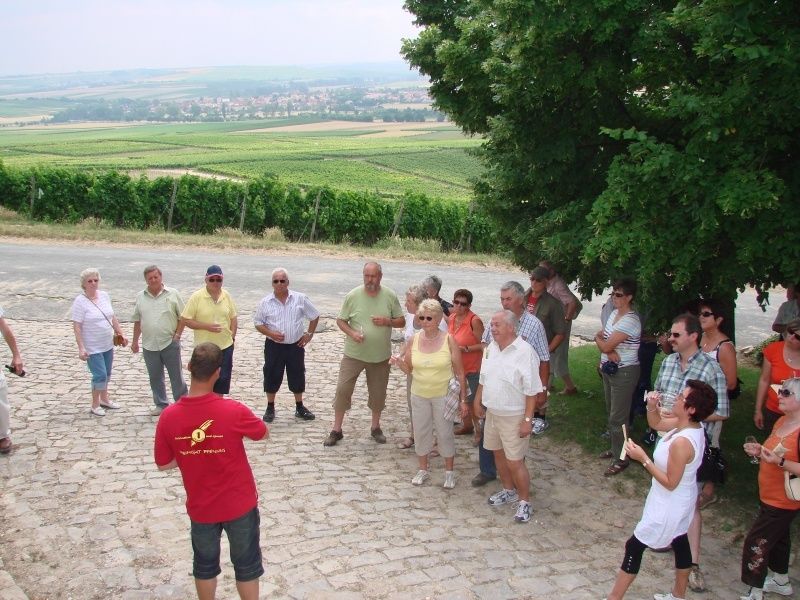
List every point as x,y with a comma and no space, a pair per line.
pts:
427,414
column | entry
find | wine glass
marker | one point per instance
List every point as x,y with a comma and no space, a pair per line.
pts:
751,439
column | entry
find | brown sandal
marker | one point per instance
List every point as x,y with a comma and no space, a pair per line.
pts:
406,443
616,468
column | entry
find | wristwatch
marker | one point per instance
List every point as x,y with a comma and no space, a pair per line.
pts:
528,419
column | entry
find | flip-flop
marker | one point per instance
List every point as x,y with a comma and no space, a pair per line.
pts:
616,468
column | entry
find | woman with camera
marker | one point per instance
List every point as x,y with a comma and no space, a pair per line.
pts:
97,331
618,342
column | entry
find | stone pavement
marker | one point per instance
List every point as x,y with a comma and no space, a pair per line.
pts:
85,514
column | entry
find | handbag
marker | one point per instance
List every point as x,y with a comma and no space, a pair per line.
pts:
714,467
791,482
119,339
452,399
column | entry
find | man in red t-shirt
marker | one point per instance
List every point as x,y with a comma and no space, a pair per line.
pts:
202,435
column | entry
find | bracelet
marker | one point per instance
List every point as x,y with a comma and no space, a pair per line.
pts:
646,462
652,409
309,333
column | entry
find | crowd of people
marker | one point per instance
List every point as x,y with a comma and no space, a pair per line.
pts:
463,378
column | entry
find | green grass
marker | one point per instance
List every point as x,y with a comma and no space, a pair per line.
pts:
581,419
435,163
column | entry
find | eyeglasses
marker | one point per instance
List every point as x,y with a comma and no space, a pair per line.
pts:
618,294
460,303
706,313
539,279
789,331
674,334
785,393
92,280
422,318
215,279
280,281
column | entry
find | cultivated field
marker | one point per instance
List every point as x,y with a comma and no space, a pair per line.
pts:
391,158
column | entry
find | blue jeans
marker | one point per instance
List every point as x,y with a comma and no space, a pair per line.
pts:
100,367
486,460
243,539
155,361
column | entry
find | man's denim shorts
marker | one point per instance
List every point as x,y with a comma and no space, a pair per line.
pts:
243,539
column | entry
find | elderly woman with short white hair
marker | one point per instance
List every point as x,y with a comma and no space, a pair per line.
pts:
433,358
95,328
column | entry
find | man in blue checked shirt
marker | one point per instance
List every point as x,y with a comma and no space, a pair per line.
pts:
512,297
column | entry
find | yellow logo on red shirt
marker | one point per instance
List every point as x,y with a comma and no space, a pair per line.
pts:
199,434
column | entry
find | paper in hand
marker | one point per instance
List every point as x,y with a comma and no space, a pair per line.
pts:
625,439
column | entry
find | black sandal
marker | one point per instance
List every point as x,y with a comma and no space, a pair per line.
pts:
616,468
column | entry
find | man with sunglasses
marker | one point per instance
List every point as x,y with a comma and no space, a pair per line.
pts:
688,361
281,317
212,314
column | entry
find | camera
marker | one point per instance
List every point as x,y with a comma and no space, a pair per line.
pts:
609,367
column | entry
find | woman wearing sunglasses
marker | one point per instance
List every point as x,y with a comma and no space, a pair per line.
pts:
781,361
467,329
618,342
765,555
432,358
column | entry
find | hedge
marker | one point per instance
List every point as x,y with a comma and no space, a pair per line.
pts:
194,204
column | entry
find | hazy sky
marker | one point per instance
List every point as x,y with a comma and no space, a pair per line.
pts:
56,36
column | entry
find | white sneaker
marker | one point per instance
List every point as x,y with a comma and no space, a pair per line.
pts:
98,411
668,596
753,594
783,589
503,497
539,426
523,514
156,410
110,404
420,478
449,480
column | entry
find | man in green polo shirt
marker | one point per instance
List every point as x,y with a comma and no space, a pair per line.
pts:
155,318
367,316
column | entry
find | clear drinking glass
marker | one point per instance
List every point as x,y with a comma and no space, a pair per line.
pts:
666,403
751,439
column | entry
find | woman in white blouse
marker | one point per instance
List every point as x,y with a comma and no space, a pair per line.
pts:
95,326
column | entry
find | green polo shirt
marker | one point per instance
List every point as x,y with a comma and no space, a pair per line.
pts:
358,310
158,316
202,307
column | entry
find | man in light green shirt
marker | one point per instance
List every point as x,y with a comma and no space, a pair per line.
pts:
155,318
367,317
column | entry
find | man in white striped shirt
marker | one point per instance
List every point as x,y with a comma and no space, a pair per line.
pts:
281,317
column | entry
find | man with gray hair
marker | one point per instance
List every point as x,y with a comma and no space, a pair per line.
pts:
509,385
433,285
530,329
281,317
156,315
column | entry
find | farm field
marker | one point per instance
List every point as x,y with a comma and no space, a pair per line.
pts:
390,158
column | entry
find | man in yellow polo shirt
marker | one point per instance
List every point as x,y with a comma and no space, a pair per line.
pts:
212,314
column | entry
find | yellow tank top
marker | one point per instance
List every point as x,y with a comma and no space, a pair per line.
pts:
431,371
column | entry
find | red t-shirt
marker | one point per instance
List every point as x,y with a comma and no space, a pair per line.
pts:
204,435
779,371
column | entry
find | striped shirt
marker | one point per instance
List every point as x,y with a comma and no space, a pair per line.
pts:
532,331
286,317
628,349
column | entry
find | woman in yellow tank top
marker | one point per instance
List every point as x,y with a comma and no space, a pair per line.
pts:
434,358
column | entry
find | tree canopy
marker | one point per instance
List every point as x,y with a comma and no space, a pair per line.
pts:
654,139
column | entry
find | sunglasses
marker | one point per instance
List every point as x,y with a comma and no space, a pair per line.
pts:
460,303
674,334
789,331
280,281
215,279
785,393
618,294
422,318
92,280
706,313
